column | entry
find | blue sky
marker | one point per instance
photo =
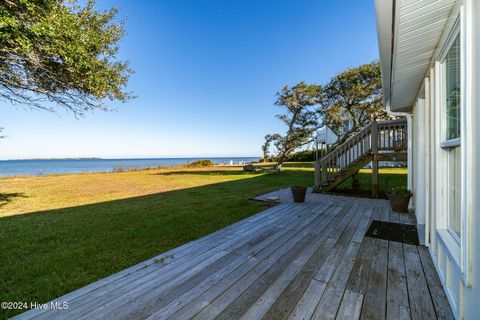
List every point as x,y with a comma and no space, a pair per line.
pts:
206,74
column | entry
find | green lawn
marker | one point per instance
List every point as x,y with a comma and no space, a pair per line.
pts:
387,178
61,232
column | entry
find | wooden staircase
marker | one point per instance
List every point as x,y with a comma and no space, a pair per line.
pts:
379,141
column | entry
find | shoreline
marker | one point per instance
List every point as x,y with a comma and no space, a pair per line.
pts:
130,159
123,170
37,168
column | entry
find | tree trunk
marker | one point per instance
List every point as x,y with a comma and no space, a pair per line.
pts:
280,160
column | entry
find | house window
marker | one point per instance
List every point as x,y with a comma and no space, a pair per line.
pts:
452,90
452,101
453,185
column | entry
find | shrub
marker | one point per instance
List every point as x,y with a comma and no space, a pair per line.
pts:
119,169
200,164
300,156
248,168
401,191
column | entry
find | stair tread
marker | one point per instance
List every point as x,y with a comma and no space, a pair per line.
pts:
344,151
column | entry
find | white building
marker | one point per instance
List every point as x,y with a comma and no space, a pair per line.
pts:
430,59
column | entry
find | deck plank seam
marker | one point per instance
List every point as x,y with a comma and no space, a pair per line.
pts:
337,235
300,233
204,265
144,264
365,213
344,255
337,219
295,229
338,216
428,285
158,269
316,267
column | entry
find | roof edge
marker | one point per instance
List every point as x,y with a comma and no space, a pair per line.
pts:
384,14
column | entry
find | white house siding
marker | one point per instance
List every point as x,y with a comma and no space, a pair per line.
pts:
457,265
419,157
472,294
428,188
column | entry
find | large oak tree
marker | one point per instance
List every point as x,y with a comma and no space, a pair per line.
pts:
57,53
299,118
355,96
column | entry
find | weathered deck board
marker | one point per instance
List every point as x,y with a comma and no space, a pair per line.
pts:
194,300
292,261
188,251
149,297
397,295
253,302
421,305
404,218
351,306
217,305
440,301
374,303
385,214
394,216
321,266
331,299
309,300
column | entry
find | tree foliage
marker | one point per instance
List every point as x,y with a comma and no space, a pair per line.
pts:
300,119
266,145
355,95
306,155
55,52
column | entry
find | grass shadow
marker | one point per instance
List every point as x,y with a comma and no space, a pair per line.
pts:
46,254
235,172
387,180
8,197
202,172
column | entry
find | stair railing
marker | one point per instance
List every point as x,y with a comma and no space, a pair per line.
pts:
376,137
392,135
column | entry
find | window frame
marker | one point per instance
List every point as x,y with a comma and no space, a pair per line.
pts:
448,144
461,19
454,33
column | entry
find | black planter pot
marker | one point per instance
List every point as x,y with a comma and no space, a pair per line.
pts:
399,203
298,193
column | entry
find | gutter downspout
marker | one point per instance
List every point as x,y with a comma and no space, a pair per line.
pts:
387,103
410,145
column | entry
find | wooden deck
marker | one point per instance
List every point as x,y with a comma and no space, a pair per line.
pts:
292,261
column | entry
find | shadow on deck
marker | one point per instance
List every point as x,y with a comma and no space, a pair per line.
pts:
295,261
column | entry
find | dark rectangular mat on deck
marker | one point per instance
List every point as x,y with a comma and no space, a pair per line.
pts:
393,231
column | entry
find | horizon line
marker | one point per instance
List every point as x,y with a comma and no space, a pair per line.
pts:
125,158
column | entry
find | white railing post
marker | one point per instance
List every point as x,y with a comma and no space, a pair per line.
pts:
316,176
375,159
